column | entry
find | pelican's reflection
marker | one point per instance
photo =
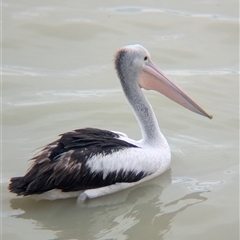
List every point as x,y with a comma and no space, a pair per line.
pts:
136,211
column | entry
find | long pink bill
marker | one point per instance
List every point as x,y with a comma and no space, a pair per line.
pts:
152,78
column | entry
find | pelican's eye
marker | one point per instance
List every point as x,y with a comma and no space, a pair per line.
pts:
145,58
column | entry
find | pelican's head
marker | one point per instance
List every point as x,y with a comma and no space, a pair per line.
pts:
130,60
135,68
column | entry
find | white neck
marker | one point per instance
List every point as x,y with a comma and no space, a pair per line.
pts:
151,134
129,71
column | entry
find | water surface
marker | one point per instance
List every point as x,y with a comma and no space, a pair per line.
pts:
58,75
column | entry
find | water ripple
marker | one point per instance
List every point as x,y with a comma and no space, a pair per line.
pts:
49,97
8,70
81,93
136,10
197,185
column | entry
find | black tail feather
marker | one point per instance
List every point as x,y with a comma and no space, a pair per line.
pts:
17,186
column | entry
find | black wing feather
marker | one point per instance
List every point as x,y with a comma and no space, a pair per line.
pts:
62,164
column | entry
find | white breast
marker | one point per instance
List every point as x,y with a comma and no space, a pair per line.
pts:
131,160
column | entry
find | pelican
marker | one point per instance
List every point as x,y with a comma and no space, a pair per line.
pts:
88,163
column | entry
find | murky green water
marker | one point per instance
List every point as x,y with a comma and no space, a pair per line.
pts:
58,75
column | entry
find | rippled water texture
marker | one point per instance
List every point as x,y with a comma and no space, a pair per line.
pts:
58,75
